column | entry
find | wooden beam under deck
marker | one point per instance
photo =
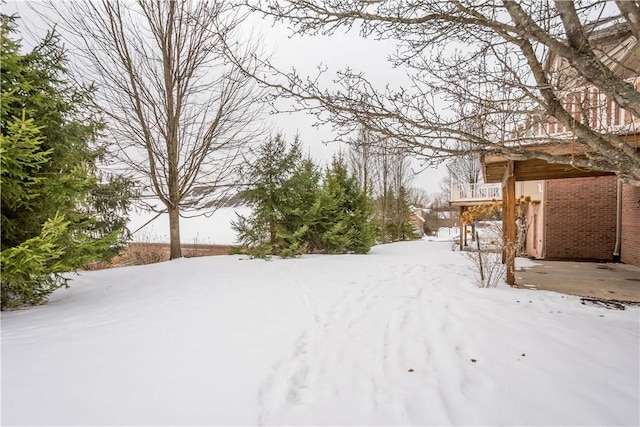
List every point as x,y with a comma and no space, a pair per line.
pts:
536,169
467,203
494,166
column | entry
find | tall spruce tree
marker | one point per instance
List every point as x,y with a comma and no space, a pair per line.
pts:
345,212
58,212
298,231
293,213
269,194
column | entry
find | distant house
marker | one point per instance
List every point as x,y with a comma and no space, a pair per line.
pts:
583,214
417,218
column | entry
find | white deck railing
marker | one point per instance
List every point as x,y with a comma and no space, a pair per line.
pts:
593,108
475,192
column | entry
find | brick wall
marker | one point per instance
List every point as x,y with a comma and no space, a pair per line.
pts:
580,218
630,250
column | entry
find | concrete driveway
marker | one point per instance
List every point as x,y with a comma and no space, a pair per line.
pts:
611,281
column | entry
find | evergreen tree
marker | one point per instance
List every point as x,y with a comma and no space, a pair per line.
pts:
269,194
298,232
293,214
58,212
345,212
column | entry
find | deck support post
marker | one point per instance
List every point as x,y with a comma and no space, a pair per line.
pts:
462,228
509,221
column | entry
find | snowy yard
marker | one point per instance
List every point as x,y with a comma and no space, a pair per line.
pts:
397,337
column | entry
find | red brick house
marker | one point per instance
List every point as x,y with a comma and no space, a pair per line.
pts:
577,219
583,214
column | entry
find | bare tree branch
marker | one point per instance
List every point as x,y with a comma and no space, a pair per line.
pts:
178,112
537,73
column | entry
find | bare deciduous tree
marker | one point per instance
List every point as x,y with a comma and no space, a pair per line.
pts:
360,157
513,66
401,178
178,111
385,175
466,169
419,197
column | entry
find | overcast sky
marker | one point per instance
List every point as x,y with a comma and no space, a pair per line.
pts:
304,53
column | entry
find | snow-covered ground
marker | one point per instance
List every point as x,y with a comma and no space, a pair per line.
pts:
397,337
444,234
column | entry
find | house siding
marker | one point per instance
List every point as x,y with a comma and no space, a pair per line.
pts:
535,232
630,248
580,221
534,216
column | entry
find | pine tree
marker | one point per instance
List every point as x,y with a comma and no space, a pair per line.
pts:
345,212
298,231
269,194
58,213
287,198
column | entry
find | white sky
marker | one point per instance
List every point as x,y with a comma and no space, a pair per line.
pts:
337,52
305,54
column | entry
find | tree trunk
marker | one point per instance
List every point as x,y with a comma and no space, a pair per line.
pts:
272,232
174,232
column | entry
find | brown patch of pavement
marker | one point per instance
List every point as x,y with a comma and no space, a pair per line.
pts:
611,281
